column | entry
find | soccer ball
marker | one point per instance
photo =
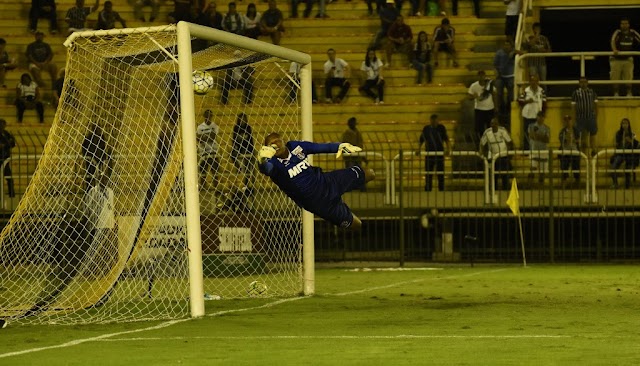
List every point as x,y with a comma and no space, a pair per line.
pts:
256,288
202,82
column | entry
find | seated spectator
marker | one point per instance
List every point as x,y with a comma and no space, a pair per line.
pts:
210,17
337,71
233,22
240,77
388,15
28,97
271,22
496,140
39,54
186,10
242,149
539,134
43,9
139,4
107,18
7,142
399,39
532,100
570,142
294,71
537,43
76,17
6,63
57,88
443,41
252,22
372,70
421,59
625,139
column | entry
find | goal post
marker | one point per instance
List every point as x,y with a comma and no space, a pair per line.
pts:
146,201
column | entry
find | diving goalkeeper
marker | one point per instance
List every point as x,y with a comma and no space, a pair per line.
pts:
317,192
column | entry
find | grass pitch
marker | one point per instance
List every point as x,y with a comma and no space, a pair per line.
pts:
487,315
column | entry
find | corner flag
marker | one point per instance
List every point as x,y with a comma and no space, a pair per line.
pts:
514,198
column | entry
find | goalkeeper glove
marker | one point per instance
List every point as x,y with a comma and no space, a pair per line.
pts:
347,148
266,152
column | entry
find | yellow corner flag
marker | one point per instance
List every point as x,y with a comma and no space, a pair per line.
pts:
514,198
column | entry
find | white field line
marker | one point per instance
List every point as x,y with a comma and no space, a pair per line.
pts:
274,303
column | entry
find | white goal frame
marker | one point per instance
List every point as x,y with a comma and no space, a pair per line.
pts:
185,32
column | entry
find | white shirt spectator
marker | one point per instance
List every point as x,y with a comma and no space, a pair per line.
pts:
207,134
372,71
28,90
497,140
339,65
485,102
252,23
530,110
513,8
99,207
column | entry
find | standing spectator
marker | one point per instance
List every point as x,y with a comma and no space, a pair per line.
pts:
187,10
6,63
388,15
483,93
623,39
242,150
233,22
421,59
240,77
434,136
252,22
353,136
39,54
96,154
28,97
372,70
208,150
496,140
504,63
76,17
139,4
476,7
211,17
43,9
514,8
539,134
271,22
294,71
569,142
443,41
400,39
57,88
625,139
532,101
537,44
337,71
7,142
379,5
585,103
307,9
107,18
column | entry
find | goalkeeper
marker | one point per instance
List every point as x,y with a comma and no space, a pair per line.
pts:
317,192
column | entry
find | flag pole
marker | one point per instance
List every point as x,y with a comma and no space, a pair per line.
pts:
513,201
524,258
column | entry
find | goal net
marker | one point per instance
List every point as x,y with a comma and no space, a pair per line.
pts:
147,199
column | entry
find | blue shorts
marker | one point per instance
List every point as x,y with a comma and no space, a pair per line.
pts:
587,124
334,209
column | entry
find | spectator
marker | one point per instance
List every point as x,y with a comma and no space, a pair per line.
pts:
622,40
307,9
211,17
187,10
6,63
28,97
569,142
57,88
625,139
76,17
400,39
504,63
379,5
252,22
96,154
294,71
337,71
240,77
353,136
532,101
496,140
39,54
443,41
476,7
271,22
7,142
514,8
483,93
434,136
537,44
107,18
585,104
43,9
388,15
421,59
539,134
242,150
208,150
139,4
233,22
372,70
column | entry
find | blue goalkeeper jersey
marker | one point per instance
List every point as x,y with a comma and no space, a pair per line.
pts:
306,185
